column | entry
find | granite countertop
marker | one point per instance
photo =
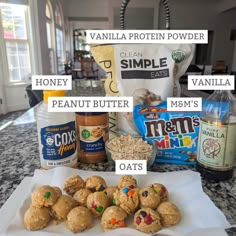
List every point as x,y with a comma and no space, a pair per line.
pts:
20,157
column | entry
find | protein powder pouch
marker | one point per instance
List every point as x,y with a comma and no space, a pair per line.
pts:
148,72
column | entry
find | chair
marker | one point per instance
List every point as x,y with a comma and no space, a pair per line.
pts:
35,96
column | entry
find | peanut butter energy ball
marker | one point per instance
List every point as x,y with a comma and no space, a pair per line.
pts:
169,213
97,203
147,220
44,196
73,184
62,207
36,218
95,183
79,219
113,217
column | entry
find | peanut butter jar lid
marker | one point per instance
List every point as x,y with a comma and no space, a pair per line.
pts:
91,113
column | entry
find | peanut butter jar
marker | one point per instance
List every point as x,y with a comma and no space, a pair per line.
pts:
92,130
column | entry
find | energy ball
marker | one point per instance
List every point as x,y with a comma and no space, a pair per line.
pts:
127,199
109,191
127,181
73,184
79,219
97,203
161,189
147,220
113,217
58,190
95,183
44,196
36,218
81,196
149,198
169,213
62,207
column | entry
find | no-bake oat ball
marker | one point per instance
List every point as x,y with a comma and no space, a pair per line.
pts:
149,198
44,196
97,203
36,218
79,219
127,199
95,183
127,181
147,220
161,189
113,217
169,213
73,184
62,207
81,196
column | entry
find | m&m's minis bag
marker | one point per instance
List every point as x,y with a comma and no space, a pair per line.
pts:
175,134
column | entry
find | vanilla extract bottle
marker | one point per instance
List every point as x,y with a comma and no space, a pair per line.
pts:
217,135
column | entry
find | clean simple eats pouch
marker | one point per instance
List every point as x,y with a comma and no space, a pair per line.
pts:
148,72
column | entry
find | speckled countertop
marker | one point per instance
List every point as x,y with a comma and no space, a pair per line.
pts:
19,158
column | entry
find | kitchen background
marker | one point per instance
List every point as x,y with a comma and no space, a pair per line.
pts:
42,36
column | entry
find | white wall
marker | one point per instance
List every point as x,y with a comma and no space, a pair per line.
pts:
224,47
202,14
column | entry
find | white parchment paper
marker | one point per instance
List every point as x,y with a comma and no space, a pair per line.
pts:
197,210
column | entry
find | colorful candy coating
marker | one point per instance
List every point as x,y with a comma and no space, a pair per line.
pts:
122,223
138,220
148,219
112,221
47,195
145,193
131,193
101,188
114,201
94,205
143,213
154,190
125,190
99,209
163,189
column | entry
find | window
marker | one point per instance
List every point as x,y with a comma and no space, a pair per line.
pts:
50,41
59,38
15,37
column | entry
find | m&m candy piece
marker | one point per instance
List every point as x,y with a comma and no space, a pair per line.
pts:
99,209
163,189
138,220
148,219
131,193
113,221
47,195
122,223
143,213
101,188
114,201
145,193
154,190
94,205
125,190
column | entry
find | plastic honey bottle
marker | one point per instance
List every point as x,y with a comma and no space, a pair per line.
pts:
56,135
217,137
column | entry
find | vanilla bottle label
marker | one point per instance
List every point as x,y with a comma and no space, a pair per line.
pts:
216,147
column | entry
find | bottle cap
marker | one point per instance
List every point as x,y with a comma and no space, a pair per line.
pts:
52,93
